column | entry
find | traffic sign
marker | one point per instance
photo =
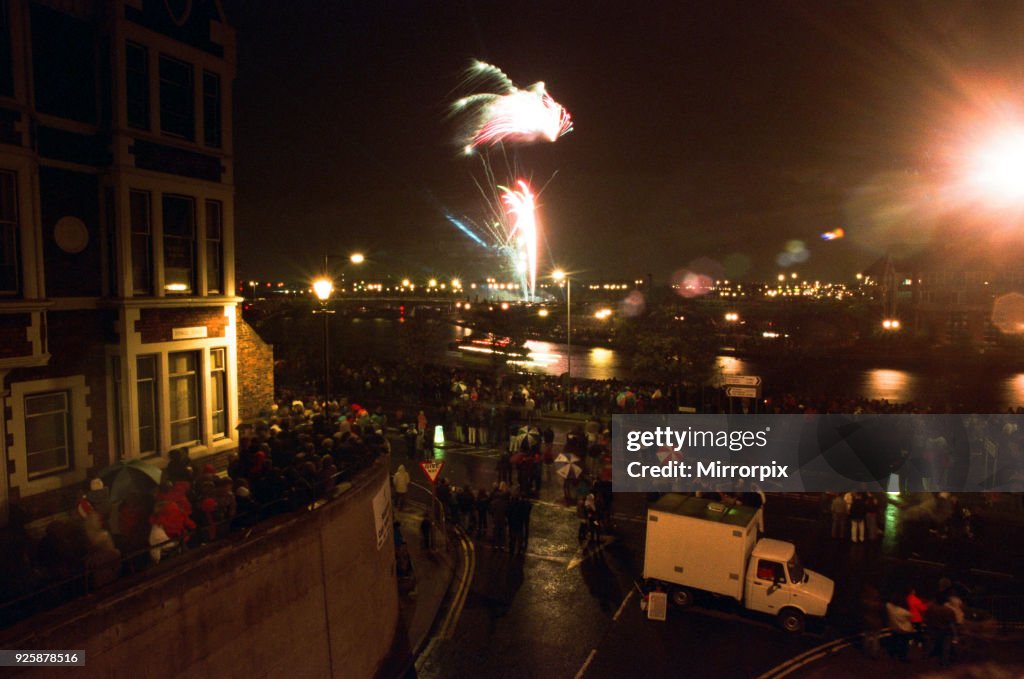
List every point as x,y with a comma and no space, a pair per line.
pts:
743,380
742,392
432,469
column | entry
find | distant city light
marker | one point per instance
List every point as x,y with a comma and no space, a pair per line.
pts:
891,324
357,258
543,313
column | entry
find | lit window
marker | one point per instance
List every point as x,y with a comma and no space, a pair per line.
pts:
179,244
219,392
184,397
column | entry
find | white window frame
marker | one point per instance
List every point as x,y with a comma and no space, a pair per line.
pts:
80,454
69,433
197,385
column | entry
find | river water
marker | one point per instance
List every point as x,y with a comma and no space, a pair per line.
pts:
965,387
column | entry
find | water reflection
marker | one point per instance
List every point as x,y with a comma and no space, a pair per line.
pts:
1013,390
991,392
889,385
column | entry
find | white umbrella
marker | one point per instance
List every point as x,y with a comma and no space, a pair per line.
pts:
567,466
666,455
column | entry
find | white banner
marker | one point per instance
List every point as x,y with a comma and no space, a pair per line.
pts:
382,514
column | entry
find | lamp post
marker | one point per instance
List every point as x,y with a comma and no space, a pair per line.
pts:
323,287
560,275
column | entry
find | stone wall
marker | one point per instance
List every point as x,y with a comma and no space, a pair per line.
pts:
255,371
309,596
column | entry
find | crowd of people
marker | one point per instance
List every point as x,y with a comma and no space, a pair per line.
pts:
935,627
293,459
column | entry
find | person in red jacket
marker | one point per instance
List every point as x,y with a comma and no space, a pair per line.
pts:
917,608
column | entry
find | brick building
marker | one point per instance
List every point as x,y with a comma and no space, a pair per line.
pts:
117,315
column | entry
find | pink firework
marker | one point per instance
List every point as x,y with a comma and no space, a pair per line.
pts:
512,115
521,205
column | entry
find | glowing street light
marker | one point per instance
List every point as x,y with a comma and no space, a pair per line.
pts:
732,317
357,258
405,282
432,283
323,287
543,313
891,324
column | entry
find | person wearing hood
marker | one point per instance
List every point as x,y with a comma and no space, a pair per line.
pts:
401,479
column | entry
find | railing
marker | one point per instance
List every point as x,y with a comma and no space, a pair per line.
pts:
87,578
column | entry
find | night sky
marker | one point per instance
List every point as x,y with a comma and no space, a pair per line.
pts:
711,131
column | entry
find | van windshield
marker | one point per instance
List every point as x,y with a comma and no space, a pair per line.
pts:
796,569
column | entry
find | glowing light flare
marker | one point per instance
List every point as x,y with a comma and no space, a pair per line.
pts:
834,234
323,287
521,206
995,168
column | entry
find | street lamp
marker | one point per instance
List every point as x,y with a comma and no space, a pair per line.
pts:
322,288
559,275
891,324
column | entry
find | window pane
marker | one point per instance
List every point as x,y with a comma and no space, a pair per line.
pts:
184,395
211,109
177,110
47,433
137,84
142,243
10,278
149,433
214,256
47,461
179,244
218,392
45,403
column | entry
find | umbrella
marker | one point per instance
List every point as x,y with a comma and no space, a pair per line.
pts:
130,476
666,455
567,466
626,398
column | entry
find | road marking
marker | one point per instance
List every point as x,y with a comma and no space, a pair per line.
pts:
997,574
447,628
587,551
622,606
586,664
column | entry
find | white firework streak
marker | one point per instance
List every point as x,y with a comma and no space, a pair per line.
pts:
522,207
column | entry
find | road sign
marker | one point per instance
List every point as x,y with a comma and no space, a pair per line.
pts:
432,469
742,392
743,380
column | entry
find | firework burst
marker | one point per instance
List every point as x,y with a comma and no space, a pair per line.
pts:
511,114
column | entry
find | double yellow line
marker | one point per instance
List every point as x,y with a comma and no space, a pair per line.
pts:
447,628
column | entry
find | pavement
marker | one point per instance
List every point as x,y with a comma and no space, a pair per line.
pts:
985,657
424,596
574,608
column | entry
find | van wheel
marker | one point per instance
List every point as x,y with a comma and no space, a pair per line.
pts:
791,620
682,597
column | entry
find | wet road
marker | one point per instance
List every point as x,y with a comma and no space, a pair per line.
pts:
562,610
